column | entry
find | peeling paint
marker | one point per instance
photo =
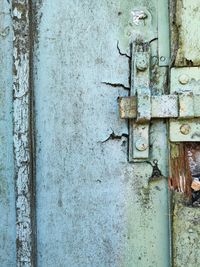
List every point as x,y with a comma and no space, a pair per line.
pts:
23,152
185,38
186,233
138,15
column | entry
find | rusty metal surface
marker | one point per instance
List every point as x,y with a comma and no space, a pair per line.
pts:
162,106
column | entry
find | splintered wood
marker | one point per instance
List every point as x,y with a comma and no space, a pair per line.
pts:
185,169
180,173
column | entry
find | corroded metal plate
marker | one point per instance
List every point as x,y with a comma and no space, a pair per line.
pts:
186,83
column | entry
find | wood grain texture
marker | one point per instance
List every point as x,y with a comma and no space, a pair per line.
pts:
94,208
23,132
7,192
184,157
180,176
185,34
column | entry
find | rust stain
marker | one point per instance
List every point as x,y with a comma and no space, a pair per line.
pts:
185,170
180,172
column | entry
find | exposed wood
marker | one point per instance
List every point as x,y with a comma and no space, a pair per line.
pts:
23,141
181,178
184,163
184,159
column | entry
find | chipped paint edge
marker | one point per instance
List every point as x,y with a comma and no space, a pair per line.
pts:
23,133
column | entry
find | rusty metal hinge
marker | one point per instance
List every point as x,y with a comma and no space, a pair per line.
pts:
181,106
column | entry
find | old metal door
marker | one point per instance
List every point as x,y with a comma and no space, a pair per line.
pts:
90,97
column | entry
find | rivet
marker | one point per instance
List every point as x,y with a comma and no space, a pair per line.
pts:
183,79
162,58
141,63
141,144
185,129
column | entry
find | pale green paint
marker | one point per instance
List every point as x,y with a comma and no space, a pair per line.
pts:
188,34
185,82
140,86
163,33
186,233
131,28
94,208
185,43
7,196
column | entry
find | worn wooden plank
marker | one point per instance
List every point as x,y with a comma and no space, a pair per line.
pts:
186,233
93,207
7,194
23,141
186,202
180,176
184,159
184,165
185,18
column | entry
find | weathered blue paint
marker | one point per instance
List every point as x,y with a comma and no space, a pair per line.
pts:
7,195
93,207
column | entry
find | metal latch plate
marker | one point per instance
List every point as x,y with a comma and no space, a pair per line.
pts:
186,83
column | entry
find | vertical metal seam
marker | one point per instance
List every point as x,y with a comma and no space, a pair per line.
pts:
23,132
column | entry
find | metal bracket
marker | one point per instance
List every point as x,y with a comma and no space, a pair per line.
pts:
186,83
140,86
181,106
163,32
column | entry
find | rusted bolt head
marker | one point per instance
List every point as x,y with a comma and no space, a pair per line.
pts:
162,58
141,63
183,79
141,144
185,129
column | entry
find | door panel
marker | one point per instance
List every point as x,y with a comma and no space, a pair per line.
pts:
184,157
94,208
7,196
75,189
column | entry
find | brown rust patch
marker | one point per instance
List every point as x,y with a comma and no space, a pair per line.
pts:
185,170
180,172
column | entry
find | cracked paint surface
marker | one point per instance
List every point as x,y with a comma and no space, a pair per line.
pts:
7,192
185,32
97,205
22,133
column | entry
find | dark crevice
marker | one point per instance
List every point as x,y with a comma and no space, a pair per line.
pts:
122,54
116,85
154,39
32,134
113,136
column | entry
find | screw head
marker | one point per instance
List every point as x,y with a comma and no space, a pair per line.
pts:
185,129
184,79
162,58
141,144
141,63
